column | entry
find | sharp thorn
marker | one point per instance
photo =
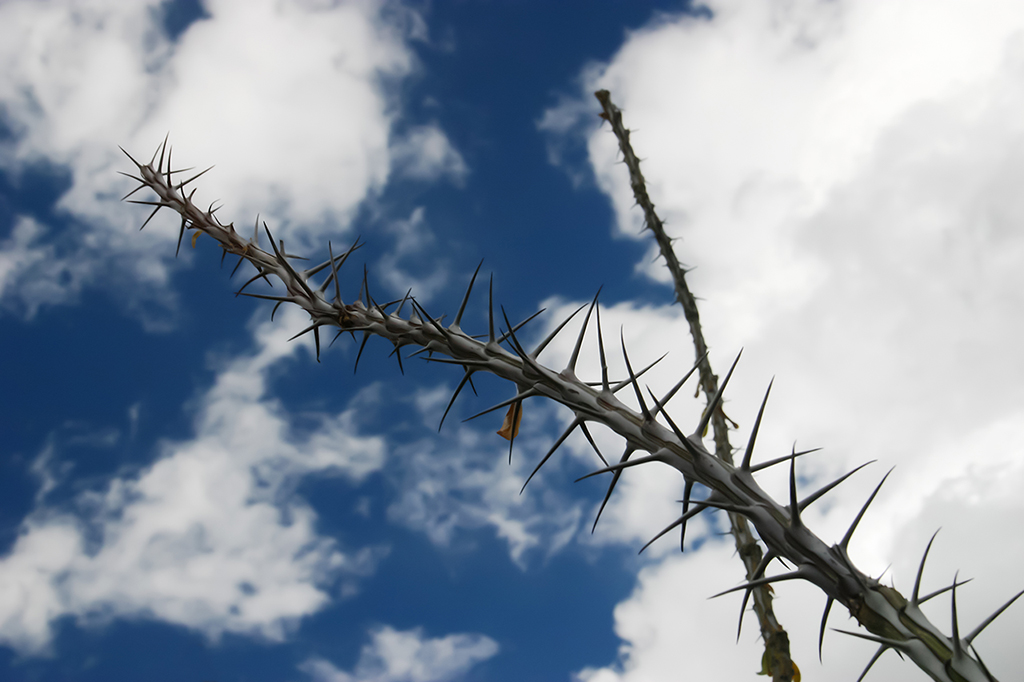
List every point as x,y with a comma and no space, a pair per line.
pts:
516,346
465,299
266,297
427,318
779,460
490,311
794,507
142,186
366,336
130,157
745,465
632,378
600,348
759,570
455,395
878,654
194,177
845,544
957,645
334,274
812,498
149,218
698,508
504,337
519,397
463,363
713,404
824,620
621,466
255,277
985,623
611,486
140,202
687,489
287,266
679,384
626,382
984,668
561,439
684,441
944,590
398,356
798,574
304,331
583,330
920,570
401,304
593,444
163,147
516,416
550,337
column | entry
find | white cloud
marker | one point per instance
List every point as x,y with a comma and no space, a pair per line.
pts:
405,267
31,272
425,153
444,496
295,101
211,535
844,175
408,656
670,628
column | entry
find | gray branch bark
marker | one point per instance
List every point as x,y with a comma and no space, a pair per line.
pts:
890,620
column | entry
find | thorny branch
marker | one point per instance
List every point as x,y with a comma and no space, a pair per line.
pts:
891,620
776,660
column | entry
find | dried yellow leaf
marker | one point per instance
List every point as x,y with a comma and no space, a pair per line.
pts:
510,427
195,236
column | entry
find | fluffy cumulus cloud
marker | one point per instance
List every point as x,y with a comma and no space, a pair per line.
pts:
425,152
296,102
403,269
445,496
670,628
211,536
31,273
844,175
408,656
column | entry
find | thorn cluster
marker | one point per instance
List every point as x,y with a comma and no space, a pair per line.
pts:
891,620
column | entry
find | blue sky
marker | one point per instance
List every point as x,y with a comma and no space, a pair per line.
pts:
187,496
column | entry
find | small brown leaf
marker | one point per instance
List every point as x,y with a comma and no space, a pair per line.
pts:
195,236
508,430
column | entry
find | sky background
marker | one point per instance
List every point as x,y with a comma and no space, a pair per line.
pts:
184,495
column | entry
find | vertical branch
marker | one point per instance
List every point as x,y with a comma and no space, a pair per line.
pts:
776,660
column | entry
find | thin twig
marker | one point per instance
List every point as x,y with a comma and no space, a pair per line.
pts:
777,661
